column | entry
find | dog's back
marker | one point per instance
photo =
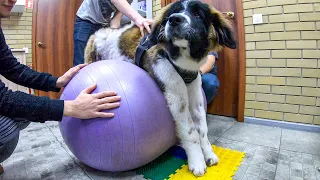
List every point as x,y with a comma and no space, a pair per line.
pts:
113,44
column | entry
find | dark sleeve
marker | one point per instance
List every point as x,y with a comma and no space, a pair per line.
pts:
21,74
214,54
33,108
22,105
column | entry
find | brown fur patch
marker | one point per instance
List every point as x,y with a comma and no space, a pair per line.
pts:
214,45
182,107
151,57
159,18
151,54
129,41
90,50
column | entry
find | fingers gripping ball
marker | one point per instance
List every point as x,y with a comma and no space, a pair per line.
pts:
141,130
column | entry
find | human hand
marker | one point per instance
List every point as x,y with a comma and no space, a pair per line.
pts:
87,106
143,23
64,79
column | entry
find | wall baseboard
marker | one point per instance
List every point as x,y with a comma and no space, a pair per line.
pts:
283,124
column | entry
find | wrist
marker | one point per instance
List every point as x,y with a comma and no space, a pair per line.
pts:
135,17
68,108
58,83
200,72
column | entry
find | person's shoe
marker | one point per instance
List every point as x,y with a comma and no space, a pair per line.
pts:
1,170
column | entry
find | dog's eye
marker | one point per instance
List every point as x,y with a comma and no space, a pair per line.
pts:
196,15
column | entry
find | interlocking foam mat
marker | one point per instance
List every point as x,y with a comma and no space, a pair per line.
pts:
172,165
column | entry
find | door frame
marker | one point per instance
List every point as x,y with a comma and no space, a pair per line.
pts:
34,32
241,55
34,39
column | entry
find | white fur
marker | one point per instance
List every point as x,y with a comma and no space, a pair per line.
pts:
186,16
186,62
198,114
193,116
166,30
181,42
185,4
106,46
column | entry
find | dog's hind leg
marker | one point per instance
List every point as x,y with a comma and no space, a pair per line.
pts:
176,94
198,115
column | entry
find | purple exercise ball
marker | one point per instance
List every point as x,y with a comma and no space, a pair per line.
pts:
142,129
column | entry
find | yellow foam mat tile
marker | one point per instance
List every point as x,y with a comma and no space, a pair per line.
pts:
229,161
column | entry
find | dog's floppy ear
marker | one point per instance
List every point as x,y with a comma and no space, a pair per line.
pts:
223,30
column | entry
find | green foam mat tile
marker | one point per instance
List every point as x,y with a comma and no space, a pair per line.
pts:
161,168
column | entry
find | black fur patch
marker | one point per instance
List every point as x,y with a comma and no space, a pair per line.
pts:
162,54
174,51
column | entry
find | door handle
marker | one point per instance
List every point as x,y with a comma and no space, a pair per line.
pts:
230,14
40,44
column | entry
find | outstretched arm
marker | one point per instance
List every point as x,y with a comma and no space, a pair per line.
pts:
116,20
124,7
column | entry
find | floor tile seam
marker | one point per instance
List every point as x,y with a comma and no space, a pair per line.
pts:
83,170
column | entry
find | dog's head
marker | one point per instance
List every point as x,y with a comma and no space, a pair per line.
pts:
194,26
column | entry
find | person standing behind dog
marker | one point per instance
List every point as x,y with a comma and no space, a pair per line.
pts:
210,81
95,14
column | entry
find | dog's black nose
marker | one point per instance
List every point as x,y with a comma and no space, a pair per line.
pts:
176,19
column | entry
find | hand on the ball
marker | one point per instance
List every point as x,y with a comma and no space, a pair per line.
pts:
64,79
87,106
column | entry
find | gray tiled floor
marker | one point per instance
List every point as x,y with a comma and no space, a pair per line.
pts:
255,134
271,153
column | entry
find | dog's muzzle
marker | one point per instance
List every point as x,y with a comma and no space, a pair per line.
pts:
178,27
176,20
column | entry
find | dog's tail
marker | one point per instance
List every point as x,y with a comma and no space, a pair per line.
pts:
90,51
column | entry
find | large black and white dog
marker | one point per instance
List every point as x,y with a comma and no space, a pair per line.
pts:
181,38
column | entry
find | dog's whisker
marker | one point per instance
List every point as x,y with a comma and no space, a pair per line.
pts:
160,36
161,27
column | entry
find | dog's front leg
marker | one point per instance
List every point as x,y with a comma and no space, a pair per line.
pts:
198,115
175,92
186,130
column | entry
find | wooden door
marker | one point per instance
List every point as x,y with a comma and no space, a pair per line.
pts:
226,101
53,22
231,65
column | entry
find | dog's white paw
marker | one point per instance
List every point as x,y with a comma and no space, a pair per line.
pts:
211,158
197,166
